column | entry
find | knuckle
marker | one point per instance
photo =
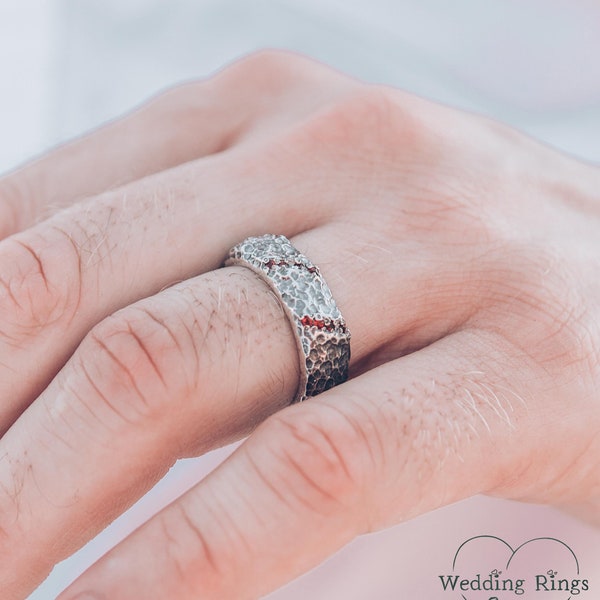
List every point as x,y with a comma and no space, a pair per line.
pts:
372,118
268,61
268,71
190,551
133,363
319,458
182,106
571,333
368,128
540,290
40,286
85,230
283,78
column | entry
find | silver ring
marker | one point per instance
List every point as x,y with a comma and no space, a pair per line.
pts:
321,334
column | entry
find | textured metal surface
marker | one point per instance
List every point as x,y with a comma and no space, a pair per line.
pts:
322,336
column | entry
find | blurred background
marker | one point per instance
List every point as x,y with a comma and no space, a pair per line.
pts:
67,66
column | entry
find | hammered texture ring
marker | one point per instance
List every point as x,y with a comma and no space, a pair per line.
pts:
321,334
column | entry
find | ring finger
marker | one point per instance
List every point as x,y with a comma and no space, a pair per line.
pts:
65,274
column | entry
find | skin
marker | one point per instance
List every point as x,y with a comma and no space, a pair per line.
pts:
463,255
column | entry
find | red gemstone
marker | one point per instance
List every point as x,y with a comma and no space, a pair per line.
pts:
310,322
275,263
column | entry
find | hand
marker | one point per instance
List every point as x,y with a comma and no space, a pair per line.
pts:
463,256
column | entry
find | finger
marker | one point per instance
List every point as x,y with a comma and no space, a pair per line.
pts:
173,375
402,439
68,272
64,275
179,125
184,123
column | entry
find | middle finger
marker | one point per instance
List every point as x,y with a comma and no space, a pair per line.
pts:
64,275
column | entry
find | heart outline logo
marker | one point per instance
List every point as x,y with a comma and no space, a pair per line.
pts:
495,573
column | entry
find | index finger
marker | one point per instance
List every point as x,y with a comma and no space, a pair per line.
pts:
186,122
176,126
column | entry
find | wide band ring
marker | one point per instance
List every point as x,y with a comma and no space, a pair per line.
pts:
321,334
